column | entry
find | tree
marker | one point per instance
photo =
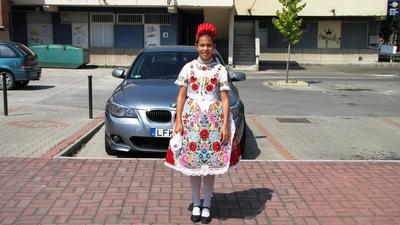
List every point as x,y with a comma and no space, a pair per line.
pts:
289,25
390,26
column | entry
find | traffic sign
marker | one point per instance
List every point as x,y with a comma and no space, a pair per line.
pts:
393,7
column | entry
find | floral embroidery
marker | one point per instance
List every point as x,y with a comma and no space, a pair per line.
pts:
192,146
216,146
202,121
195,87
209,87
204,134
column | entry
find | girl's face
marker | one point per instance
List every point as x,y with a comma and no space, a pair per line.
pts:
205,47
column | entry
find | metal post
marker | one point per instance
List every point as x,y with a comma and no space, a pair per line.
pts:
4,80
90,97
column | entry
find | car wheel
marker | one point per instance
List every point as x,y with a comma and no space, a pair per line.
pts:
242,143
109,150
22,83
10,80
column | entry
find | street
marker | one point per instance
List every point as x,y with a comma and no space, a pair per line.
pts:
347,115
344,113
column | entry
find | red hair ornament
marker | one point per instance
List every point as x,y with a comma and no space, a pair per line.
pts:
206,28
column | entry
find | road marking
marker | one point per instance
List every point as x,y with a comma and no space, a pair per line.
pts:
53,151
278,146
391,122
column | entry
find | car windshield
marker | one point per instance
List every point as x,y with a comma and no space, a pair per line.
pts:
160,65
25,50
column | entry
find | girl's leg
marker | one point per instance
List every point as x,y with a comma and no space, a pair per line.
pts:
195,182
208,189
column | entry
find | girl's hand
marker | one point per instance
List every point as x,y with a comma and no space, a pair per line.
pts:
225,135
178,127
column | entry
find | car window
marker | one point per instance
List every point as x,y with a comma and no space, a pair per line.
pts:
25,49
6,51
161,65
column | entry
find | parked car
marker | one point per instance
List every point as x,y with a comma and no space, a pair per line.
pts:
19,64
141,111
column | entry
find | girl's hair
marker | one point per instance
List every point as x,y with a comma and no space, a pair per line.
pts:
208,29
205,34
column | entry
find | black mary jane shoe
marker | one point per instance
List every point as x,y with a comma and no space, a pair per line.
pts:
196,218
206,220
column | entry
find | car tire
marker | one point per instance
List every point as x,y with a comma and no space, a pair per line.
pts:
22,83
242,143
10,80
109,150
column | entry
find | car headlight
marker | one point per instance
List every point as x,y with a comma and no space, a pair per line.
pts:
118,110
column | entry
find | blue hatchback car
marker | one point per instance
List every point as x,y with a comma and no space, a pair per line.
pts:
19,64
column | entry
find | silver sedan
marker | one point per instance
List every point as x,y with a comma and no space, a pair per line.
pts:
141,111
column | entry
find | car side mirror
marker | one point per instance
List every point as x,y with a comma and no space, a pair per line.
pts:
238,76
118,73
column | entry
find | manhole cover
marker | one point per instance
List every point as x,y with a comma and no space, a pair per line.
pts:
293,120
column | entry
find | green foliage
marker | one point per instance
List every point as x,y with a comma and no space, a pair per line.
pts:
288,22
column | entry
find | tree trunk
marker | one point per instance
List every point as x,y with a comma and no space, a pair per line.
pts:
287,64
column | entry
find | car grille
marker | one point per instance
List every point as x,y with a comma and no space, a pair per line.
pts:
150,142
159,116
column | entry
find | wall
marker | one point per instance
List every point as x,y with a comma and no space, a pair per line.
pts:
112,56
191,3
315,7
321,56
4,20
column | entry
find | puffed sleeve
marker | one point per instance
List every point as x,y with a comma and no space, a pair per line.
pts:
223,79
182,79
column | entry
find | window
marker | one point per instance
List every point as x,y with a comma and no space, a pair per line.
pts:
102,30
25,50
130,19
6,52
160,65
68,18
157,19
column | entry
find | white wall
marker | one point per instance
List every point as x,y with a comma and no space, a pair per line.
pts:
316,7
191,3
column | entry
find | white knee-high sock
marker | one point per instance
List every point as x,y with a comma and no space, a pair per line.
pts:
195,182
208,189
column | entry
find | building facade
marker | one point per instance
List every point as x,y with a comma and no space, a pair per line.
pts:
340,31
114,31
4,20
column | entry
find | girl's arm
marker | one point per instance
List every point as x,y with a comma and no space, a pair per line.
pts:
225,132
180,101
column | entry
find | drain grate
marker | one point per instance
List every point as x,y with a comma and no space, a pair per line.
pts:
293,120
354,89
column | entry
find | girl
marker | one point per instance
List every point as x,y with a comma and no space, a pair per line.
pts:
203,121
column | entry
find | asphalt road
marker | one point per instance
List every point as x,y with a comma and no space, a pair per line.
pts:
350,116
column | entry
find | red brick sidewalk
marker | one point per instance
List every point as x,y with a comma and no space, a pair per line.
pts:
75,191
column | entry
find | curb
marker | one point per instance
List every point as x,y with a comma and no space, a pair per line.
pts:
77,145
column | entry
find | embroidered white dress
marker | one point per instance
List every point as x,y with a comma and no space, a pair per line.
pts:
202,152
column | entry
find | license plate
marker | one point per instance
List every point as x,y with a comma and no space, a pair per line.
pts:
157,132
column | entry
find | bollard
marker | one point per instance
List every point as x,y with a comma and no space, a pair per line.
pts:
90,97
4,80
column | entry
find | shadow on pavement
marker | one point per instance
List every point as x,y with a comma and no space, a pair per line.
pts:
251,150
160,155
279,65
240,204
33,87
